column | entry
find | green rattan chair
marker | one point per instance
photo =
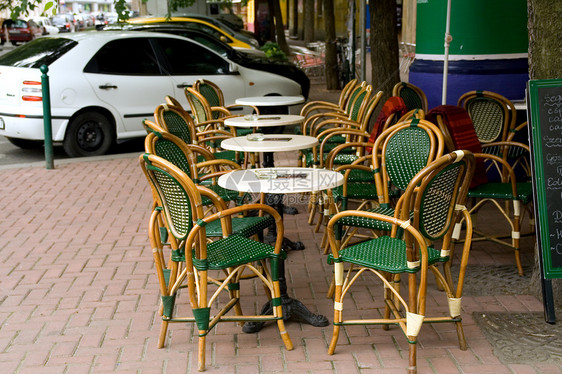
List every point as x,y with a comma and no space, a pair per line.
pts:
508,196
344,131
195,260
215,97
432,205
413,96
172,149
319,106
398,154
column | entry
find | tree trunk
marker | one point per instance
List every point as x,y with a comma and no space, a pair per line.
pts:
308,20
545,27
330,58
275,9
384,46
295,18
545,43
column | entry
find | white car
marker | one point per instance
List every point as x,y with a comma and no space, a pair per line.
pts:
103,84
46,24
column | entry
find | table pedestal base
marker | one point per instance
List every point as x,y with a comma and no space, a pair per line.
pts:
292,309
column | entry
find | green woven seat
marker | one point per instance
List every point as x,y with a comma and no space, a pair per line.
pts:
383,253
340,159
244,226
502,191
355,191
234,251
224,193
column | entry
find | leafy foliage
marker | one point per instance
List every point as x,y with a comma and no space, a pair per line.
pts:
23,7
273,50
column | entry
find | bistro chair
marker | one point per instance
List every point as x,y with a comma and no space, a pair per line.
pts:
194,259
413,96
493,115
494,119
508,195
172,149
430,208
215,97
500,194
351,132
398,154
392,165
353,111
326,106
317,123
175,120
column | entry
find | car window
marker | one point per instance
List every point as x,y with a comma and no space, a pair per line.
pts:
201,27
185,58
42,51
131,56
18,24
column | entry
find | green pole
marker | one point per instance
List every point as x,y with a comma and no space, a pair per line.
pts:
47,125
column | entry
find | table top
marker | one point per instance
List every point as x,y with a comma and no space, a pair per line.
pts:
264,120
281,180
270,100
270,143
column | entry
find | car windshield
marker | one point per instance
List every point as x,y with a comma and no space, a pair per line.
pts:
18,24
41,51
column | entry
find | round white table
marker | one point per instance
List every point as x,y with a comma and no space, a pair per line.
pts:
270,143
276,181
264,120
260,101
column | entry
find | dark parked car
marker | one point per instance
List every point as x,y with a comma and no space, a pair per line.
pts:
20,31
250,58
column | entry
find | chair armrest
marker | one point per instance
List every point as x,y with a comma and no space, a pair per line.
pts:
319,105
253,107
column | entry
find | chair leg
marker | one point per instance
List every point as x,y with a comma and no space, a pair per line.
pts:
338,312
312,208
460,336
202,341
163,332
284,335
515,235
412,369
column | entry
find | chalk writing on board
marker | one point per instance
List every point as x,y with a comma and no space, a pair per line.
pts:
545,98
553,106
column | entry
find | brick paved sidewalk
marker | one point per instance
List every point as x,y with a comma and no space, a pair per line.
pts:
78,293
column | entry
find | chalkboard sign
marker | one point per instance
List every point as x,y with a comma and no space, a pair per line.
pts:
545,131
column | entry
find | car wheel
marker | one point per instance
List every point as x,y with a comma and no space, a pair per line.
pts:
14,43
89,134
26,143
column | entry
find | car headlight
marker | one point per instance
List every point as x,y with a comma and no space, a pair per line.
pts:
255,43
